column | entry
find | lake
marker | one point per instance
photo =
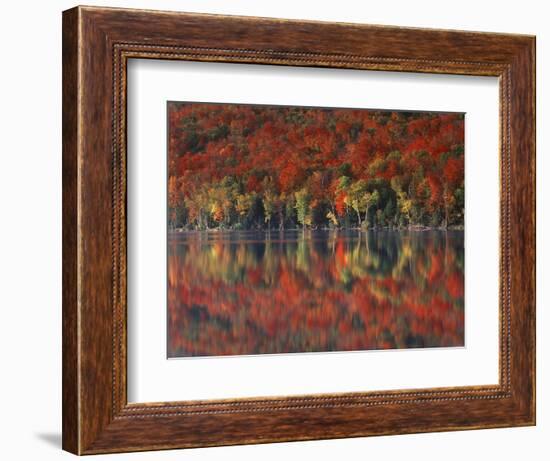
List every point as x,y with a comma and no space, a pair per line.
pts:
248,292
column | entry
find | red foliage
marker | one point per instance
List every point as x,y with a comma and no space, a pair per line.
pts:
454,170
208,142
341,204
289,178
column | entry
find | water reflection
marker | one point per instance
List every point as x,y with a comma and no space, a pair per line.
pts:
233,293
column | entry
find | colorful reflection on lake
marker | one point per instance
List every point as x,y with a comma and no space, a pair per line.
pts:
241,293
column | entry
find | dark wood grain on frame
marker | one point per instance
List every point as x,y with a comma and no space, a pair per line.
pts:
97,43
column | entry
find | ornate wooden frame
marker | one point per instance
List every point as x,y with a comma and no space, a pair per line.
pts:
97,43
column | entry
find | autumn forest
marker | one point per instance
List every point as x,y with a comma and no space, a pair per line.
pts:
275,167
295,229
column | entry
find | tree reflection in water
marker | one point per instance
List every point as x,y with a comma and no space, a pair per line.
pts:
234,293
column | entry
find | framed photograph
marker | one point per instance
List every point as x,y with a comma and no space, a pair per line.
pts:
281,230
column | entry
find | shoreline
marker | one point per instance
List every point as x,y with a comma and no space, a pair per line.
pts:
322,229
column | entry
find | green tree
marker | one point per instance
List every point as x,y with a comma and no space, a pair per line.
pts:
269,202
371,199
449,201
357,198
243,205
404,204
303,208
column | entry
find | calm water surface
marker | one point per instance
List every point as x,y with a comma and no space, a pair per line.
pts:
232,293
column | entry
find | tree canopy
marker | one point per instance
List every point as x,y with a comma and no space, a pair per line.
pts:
264,167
